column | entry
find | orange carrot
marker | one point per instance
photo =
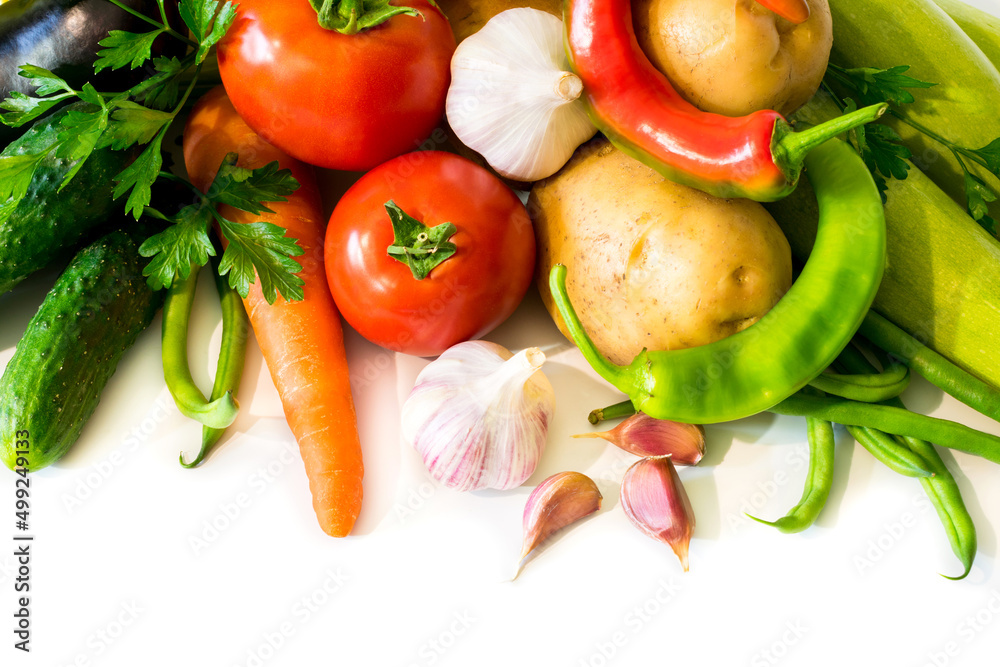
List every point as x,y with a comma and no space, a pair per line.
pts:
302,341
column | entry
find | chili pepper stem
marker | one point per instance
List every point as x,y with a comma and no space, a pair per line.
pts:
789,148
623,409
632,380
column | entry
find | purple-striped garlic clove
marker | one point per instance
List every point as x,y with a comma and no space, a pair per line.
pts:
655,501
643,435
558,501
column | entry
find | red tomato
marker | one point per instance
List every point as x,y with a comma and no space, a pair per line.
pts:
337,101
465,296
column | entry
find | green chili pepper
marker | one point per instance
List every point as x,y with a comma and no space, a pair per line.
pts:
941,489
219,413
795,341
933,367
819,480
232,356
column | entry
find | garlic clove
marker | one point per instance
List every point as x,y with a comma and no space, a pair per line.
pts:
643,435
558,501
479,415
512,97
657,504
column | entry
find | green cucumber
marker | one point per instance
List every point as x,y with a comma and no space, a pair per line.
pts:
982,28
962,108
942,278
49,222
96,310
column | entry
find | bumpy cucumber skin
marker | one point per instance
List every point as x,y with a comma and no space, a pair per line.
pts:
46,223
94,313
962,108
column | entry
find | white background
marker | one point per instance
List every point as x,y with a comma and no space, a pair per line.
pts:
137,561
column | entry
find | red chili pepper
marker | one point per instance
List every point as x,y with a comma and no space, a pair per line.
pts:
757,156
796,11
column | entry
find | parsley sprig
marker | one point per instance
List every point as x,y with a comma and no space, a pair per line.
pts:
258,248
140,117
882,148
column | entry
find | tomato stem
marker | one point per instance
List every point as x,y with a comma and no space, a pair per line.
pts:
420,247
349,17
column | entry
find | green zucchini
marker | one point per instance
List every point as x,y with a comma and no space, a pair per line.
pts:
962,108
49,222
982,28
942,278
96,310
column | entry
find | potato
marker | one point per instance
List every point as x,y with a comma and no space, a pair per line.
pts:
468,16
651,263
734,57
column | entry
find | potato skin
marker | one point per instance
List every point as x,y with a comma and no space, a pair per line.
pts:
734,57
468,16
651,263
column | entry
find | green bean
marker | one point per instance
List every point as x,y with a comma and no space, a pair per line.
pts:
941,489
892,419
867,387
935,368
889,451
219,413
232,355
819,480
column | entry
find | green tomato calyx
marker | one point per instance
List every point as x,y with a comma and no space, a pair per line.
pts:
349,17
420,247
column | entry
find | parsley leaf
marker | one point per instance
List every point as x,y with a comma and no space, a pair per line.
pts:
978,196
139,176
23,109
15,175
223,19
874,86
887,151
991,154
125,48
6,209
255,249
989,224
82,130
197,15
45,81
162,90
208,22
247,189
133,123
179,247
261,248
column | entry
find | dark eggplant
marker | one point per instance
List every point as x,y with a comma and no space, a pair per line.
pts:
62,36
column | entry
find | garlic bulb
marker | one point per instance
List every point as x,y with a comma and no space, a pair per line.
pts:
512,97
479,415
